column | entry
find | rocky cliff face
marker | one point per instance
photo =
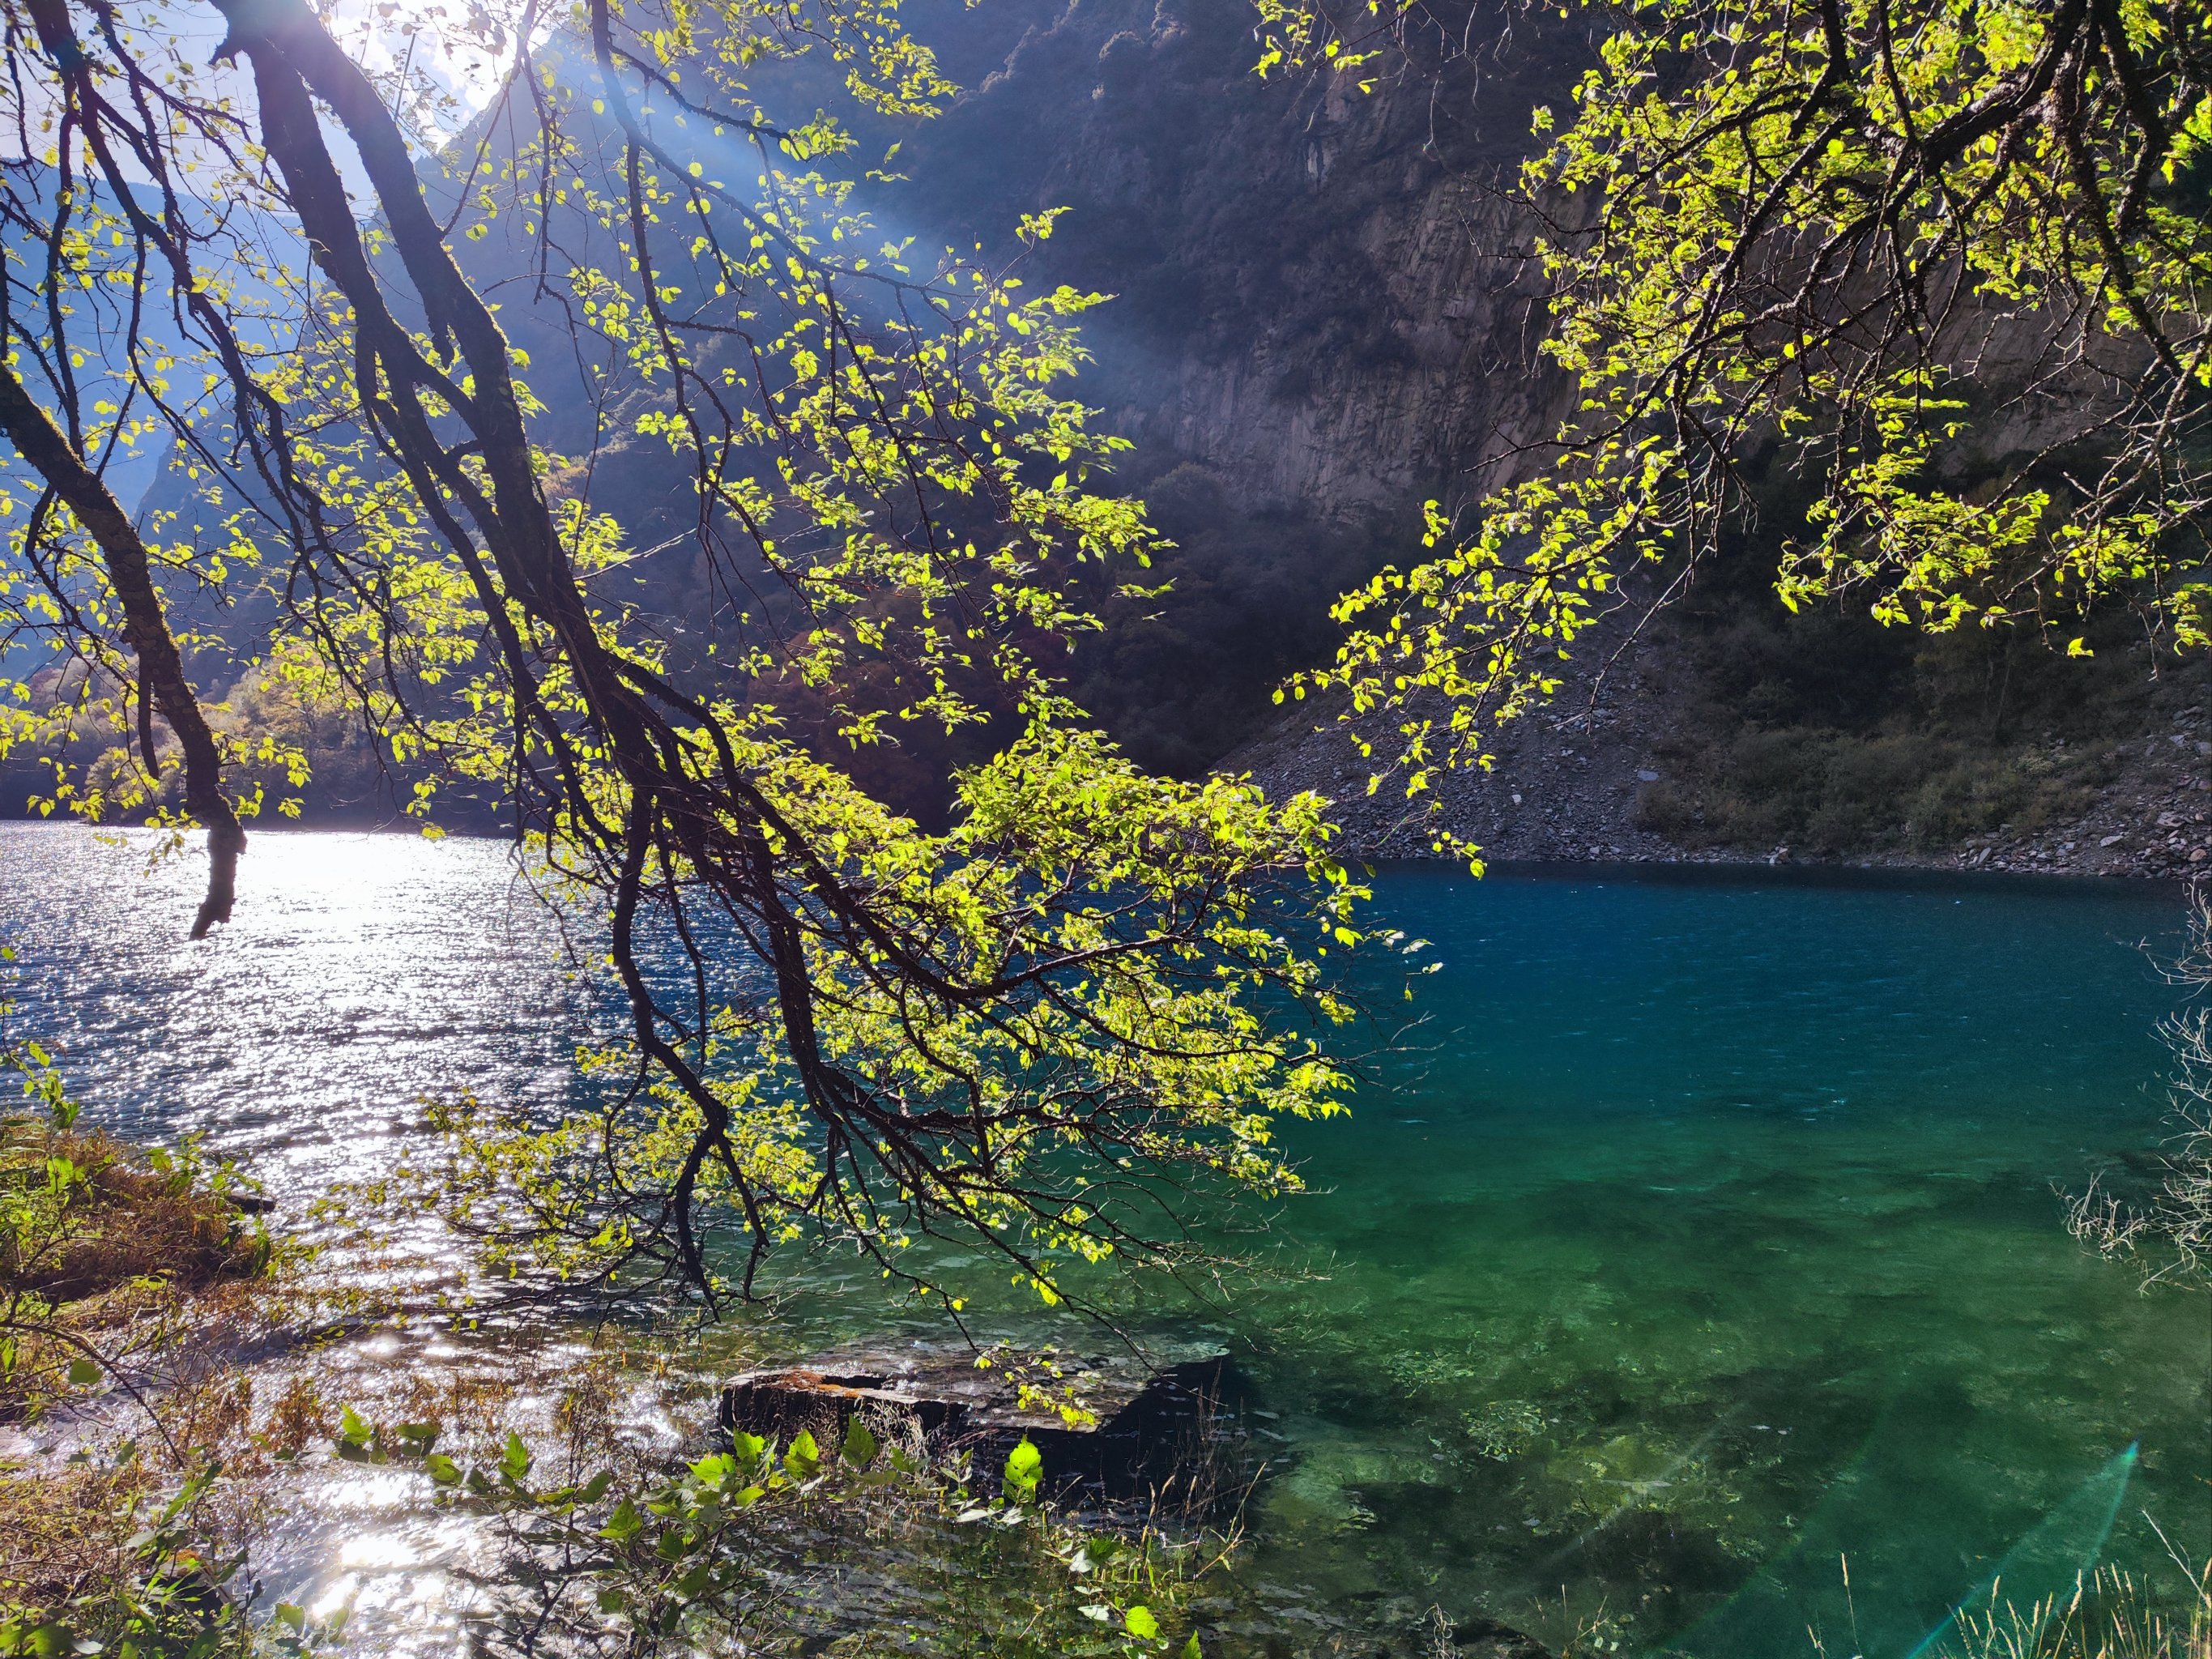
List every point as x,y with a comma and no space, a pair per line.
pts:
1651,755
1323,316
1320,318
1318,298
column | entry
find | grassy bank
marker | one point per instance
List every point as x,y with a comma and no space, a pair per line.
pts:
126,1277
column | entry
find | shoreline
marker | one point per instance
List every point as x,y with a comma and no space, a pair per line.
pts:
1581,789
1802,872
1404,844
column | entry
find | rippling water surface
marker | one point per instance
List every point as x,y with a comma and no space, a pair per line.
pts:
362,974
1712,1237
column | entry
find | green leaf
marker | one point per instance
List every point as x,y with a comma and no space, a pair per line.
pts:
859,1447
715,1470
82,1373
442,1469
358,1442
60,1640
802,1457
1024,1468
1191,1648
1141,1624
514,1461
623,1524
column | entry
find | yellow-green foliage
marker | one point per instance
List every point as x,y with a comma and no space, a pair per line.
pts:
1875,237
899,1551
1131,921
1014,1026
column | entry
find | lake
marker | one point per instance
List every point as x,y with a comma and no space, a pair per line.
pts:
1706,1238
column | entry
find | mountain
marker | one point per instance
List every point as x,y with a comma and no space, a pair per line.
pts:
1323,316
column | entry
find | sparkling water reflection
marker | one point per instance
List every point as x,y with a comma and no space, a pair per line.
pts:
364,973
1714,1237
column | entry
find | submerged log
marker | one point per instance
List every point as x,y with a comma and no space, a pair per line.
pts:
1156,1431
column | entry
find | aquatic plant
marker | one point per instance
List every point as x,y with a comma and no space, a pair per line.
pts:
2111,1614
2170,1230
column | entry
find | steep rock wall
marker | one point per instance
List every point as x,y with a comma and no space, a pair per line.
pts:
1317,291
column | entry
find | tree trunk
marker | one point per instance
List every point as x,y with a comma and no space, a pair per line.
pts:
145,630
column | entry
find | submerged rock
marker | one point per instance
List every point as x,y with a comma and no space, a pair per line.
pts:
1154,1430
1486,1638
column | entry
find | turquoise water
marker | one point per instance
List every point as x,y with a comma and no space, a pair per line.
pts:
1714,1240
1705,1236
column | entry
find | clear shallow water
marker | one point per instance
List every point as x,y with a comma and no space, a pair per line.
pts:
1715,1240
1713,1237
